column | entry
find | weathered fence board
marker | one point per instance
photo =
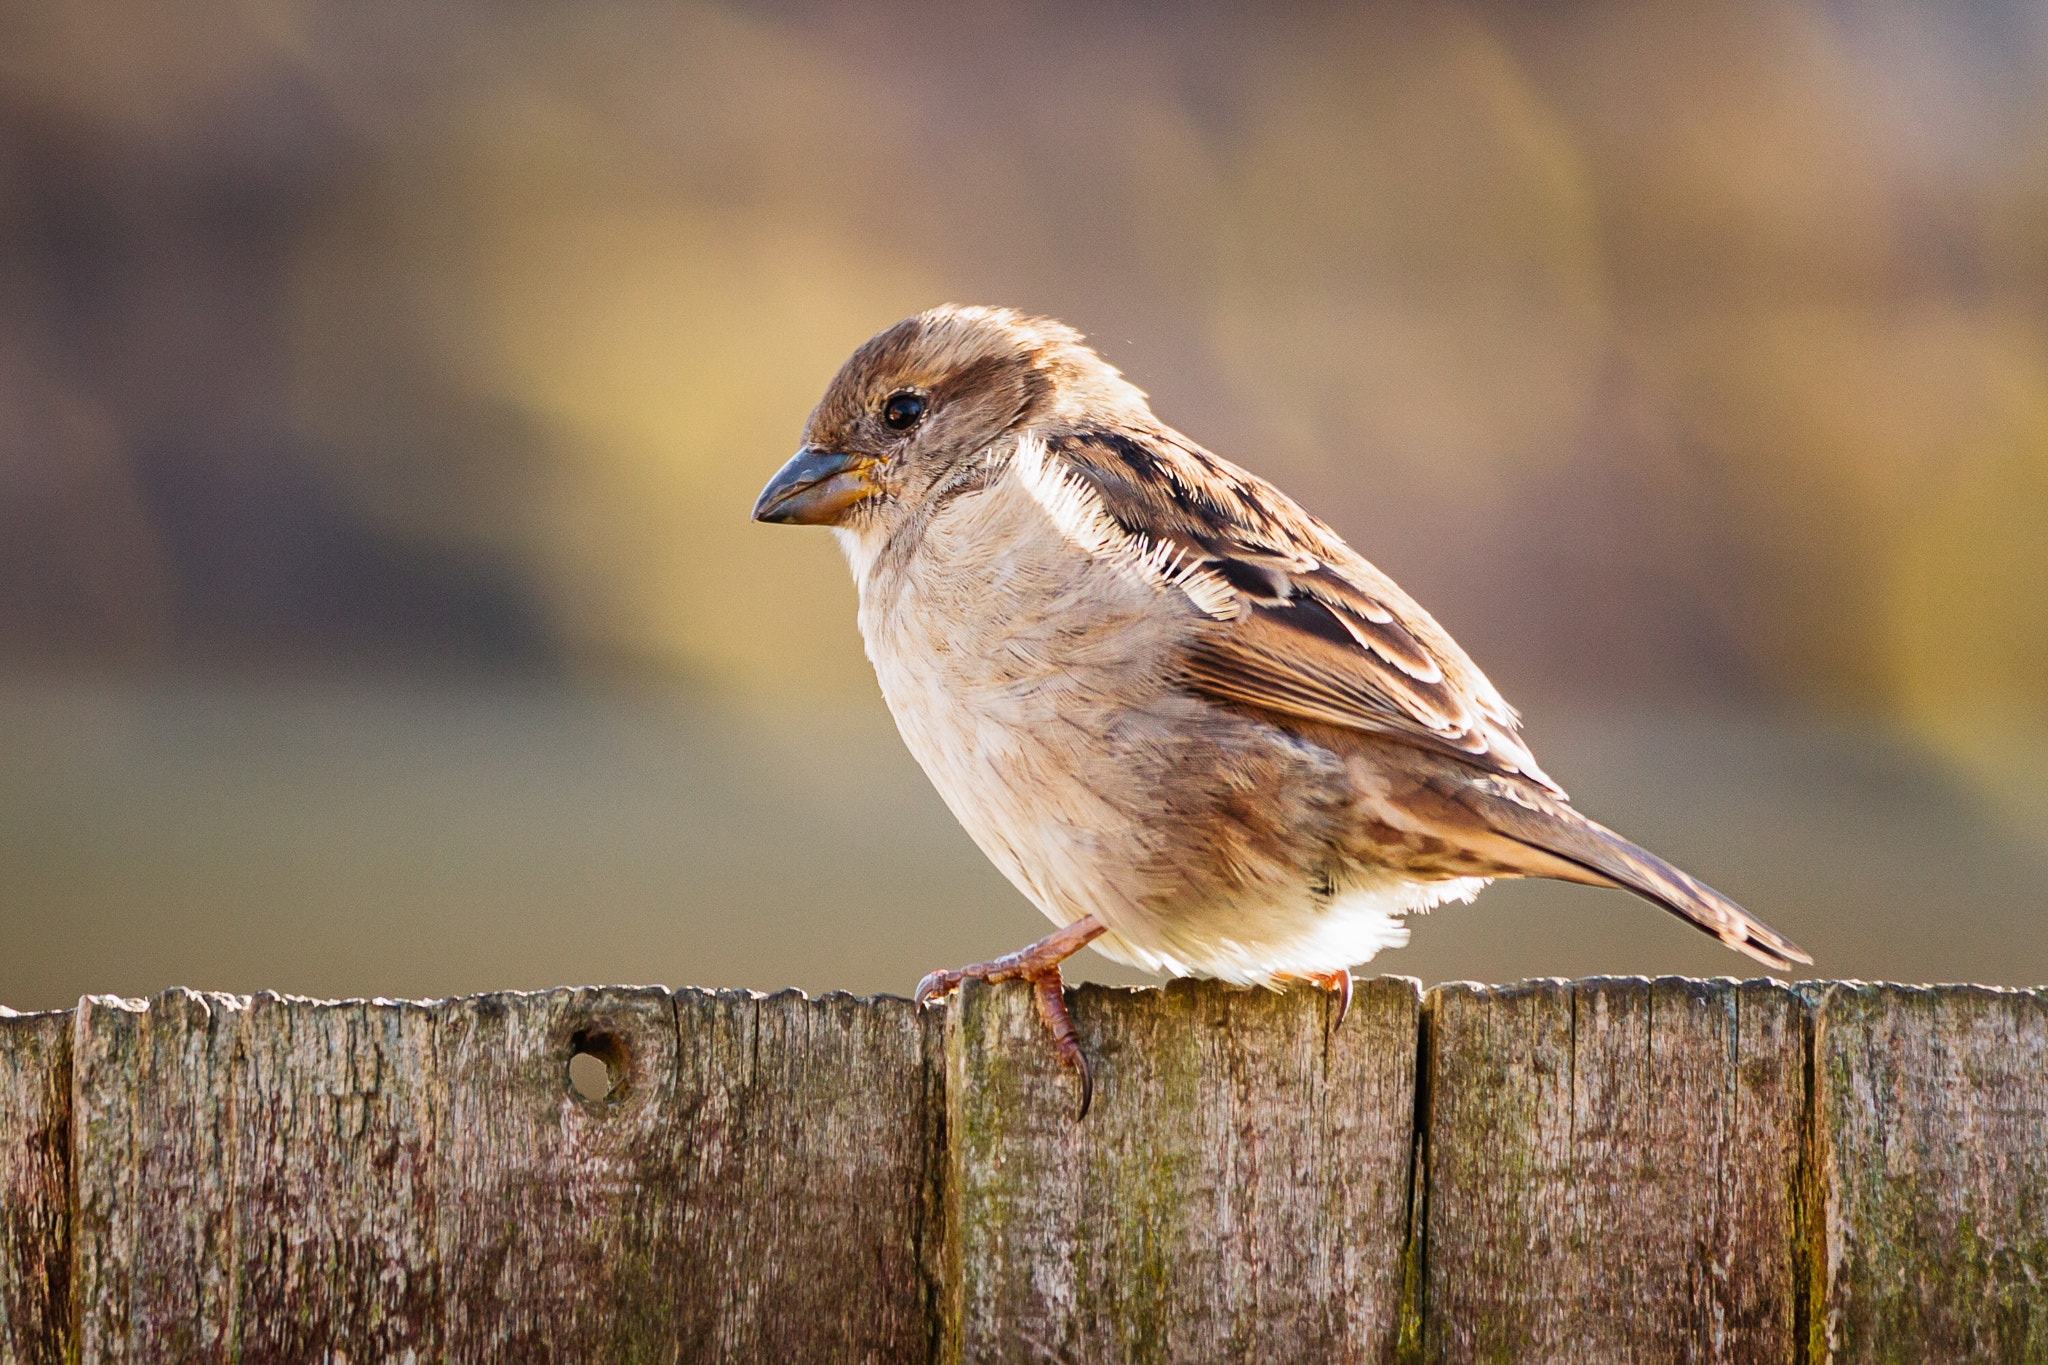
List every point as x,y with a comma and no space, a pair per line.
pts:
1931,1156
1239,1191
554,1212
153,1239
35,1187
1612,1169
809,1228
1594,1171
334,1122
246,1171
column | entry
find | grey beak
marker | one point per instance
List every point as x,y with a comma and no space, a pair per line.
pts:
814,488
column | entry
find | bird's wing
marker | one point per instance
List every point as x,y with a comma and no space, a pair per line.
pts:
1298,625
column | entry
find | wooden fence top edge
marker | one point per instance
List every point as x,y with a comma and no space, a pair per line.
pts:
1812,989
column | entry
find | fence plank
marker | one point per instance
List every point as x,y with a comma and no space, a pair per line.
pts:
35,1188
1239,1191
332,1185
808,1230
1931,1155
254,1182
153,1156
555,1210
1612,1171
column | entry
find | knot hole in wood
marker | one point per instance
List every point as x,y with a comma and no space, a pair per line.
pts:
600,1068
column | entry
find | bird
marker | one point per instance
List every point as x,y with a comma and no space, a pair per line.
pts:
1183,716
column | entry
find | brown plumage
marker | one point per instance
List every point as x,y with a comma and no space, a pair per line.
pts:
1179,712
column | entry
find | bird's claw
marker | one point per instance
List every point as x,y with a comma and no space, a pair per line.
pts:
936,985
1008,967
1338,983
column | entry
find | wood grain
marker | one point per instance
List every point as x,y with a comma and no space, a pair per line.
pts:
1605,1170
1238,1192
35,1188
255,1180
1931,1158
809,1225
334,1121
1612,1171
286,1180
555,1210
153,1231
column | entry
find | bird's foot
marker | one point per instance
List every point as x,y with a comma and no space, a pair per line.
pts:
1026,964
1338,983
1040,965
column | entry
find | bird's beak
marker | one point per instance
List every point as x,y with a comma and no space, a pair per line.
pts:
814,488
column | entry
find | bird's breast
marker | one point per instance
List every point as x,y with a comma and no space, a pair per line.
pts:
1021,672
996,607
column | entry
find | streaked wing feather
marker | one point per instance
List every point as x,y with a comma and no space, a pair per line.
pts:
1317,633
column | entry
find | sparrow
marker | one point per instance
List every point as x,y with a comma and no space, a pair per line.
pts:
1188,721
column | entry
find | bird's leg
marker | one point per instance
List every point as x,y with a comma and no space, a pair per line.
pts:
1051,994
1040,965
1337,983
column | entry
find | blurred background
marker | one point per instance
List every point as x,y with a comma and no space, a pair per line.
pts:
384,386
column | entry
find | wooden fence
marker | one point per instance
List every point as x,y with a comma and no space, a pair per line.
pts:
1603,1170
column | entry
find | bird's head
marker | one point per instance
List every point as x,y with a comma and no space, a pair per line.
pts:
929,397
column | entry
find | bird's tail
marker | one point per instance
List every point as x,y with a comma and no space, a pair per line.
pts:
1599,856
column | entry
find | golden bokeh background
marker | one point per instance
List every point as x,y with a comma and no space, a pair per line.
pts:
383,388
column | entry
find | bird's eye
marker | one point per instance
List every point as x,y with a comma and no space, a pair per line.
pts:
903,410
